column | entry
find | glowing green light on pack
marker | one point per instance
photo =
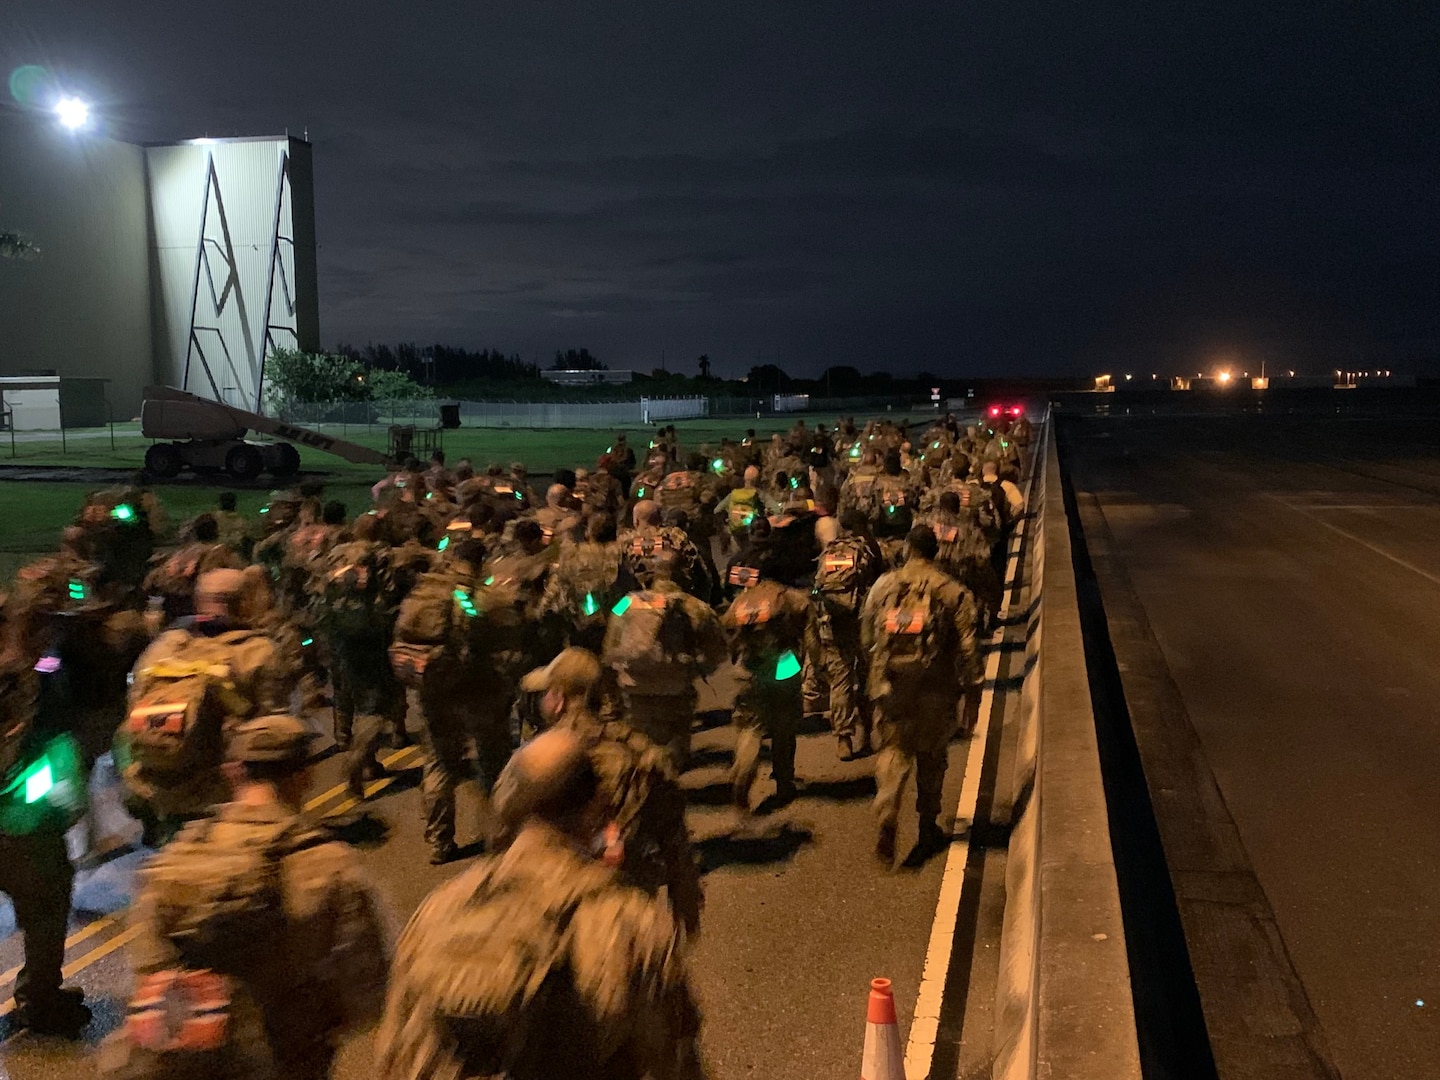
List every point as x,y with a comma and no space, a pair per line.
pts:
518,495
609,449
590,606
621,606
467,605
652,444
749,517
787,667
794,481
123,512
444,543
39,782
1004,445
935,445
718,464
640,492
490,580
264,509
429,494
855,450
889,509
305,642
77,589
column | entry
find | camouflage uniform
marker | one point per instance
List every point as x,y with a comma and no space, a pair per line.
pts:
767,624
660,704
834,659
622,1009
916,716
320,974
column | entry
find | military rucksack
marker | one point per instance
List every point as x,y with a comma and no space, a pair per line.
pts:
516,947
680,491
352,590
651,636
218,899
847,568
585,582
448,616
913,631
764,627
181,701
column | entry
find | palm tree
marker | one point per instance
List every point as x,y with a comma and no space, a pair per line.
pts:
704,363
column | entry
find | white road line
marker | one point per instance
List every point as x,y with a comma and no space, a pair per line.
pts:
925,1024
1426,574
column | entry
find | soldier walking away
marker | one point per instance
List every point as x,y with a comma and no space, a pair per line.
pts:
766,623
849,565
42,794
541,962
260,942
650,842
659,641
918,629
195,682
451,634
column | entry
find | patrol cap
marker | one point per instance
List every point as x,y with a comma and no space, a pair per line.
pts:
271,739
573,671
827,529
220,584
548,777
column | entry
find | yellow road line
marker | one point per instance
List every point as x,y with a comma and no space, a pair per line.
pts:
121,940
89,930
339,789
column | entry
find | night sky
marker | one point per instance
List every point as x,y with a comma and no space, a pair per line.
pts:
964,188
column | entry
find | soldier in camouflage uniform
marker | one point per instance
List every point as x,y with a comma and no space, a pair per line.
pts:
267,911
471,993
848,567
585,582
918,629
766,623
647,805
651,541
464,628
658,641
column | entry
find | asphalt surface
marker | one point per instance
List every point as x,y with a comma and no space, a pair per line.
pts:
799,916
1289,570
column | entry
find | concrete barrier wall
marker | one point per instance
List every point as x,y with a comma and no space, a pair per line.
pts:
1063,1005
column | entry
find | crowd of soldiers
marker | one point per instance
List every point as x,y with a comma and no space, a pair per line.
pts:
847,573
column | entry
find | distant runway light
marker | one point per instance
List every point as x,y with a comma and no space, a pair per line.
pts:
72,112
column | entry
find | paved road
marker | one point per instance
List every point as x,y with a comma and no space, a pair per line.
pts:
799,916
1290,571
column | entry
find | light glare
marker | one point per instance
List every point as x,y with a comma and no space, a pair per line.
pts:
72,112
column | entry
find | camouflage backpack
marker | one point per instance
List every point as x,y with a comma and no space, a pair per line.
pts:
584,583
182,699
651,636
352,587
218,899
516,948
680,491
912,633
763,627
448,616
847,568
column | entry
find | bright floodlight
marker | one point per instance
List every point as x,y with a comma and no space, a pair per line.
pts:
72,112
1224,376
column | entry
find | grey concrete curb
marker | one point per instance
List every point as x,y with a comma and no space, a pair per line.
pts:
1063,1000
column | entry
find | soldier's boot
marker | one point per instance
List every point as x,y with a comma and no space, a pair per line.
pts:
933,836
62,1013
782,762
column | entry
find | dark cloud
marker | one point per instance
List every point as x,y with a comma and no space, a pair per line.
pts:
960,187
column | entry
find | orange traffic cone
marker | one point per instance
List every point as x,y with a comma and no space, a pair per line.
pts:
884,1059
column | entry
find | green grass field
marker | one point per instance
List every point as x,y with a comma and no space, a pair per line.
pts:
32,512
